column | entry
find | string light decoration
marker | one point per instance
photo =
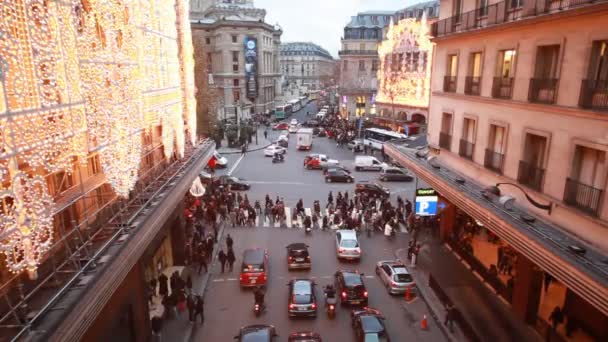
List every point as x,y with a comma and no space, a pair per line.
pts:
405,64
81,77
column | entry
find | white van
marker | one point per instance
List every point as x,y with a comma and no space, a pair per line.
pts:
368,163
321,115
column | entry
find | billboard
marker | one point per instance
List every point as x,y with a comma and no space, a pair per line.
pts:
426,202
251,67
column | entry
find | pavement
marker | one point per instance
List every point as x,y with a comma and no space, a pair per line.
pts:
228,307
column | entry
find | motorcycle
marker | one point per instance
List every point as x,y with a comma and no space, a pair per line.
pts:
257,309
277,159
330,306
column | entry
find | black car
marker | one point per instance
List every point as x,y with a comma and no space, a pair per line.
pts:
336,175
306,336
372,189
350,286
302,299
395,174
297,256
233,182
335,167
369,325
257,333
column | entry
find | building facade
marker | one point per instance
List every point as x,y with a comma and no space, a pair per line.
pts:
359,63
96,105
306,65
246,85
405,56
519,96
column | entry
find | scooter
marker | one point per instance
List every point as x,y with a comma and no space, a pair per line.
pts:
330,306
257,309
277,160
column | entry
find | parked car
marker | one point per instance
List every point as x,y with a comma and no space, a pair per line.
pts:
372,189
369,325
368,163
272,149
254,270
297,256
347,245
335,175
234,183
280,126
302,299
257,333
395,174
395,276
350,287
304,336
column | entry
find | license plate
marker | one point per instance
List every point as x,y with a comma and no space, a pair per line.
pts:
253,281
355,302
302,308
299,259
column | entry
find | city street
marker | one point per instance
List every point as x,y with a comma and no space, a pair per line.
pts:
228,307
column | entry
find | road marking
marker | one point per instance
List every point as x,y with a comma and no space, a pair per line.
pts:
325,277
218,280
288,214
231,279
236,164
369,277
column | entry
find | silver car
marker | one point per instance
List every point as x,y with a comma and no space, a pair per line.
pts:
395,276
347,245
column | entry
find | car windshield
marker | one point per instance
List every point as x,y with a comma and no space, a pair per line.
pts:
353,280
375,337
403,277
301,299
349,243
297,253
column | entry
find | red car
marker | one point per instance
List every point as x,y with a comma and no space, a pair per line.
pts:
254,270
280,126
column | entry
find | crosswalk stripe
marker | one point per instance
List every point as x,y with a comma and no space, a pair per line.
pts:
288,215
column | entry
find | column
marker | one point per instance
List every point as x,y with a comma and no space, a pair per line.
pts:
448,220
527,289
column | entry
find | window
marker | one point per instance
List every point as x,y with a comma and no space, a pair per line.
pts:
513,4
234,38
475,64
452,65
235,82
457,10
506,59
362,47
598,66
483,8
445,135
494,154
236,95
207,40
587,181
361,65
235,67
546,62
531,168
375,65
235,56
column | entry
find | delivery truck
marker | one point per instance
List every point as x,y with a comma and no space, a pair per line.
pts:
304,139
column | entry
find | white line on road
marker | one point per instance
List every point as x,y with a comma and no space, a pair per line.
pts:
369,277
235,165
218,280
231,279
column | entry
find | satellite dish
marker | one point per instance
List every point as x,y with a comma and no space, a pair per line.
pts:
507,201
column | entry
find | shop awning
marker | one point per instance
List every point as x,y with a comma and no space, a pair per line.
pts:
545,244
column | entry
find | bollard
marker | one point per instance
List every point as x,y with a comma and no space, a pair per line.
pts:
424,324
408,294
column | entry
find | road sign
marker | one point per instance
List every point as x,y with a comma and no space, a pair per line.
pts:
426,202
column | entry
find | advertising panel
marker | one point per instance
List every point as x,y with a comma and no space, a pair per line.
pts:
251,67
426,202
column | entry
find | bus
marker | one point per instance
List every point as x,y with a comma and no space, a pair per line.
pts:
295,105
283,111
376,137
303,101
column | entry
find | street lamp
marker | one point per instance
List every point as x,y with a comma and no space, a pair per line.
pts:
496,191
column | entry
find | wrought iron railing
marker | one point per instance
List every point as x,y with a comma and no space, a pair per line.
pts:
543,90
358,52
494,161
503,12
449,84
472,85
530,175
445,140
466,149
582,196
594,94
502,87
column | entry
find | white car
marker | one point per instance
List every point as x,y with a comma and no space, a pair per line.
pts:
293,128
220,161
347,245
395,276
294,122
272,149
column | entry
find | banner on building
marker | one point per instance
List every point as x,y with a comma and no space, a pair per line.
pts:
426,202
251,67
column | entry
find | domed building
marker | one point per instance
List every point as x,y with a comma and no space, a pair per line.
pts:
306,65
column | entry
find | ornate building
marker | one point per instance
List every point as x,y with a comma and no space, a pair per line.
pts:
404,76
96,100
220,29
306,65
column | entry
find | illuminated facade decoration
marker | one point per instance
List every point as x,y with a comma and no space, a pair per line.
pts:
405,64
83,77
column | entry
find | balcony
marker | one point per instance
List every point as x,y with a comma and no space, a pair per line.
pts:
594,95
530,175
466,149
582,196
494,161
543,90
358,52
445,140
503,12
449,84
472,85
502,88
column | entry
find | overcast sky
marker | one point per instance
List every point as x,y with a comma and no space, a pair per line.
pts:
321,21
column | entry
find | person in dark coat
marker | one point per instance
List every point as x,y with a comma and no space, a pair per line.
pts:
222,258
157,324
153,283
202,259
199,309
163,285
231,258
191,304
189,284
229,241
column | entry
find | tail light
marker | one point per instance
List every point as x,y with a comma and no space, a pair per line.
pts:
291,306
290,258
308,258
343,294
314,306
331,307
365,294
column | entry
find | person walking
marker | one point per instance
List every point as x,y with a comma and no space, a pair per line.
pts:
191,304
199,309
222,258
189,284
231,258
157,325
229,242
202,259
163,285
266,134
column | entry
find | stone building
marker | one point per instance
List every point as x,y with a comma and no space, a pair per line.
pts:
220,30
306,65
519,135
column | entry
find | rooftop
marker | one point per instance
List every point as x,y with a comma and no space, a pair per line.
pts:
370,19
303,48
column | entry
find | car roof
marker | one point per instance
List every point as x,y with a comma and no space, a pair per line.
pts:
351,277
371,323
255,333
302,286
253,256
297,246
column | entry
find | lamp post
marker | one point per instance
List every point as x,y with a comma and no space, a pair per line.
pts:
495,190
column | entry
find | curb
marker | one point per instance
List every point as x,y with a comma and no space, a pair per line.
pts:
239,152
